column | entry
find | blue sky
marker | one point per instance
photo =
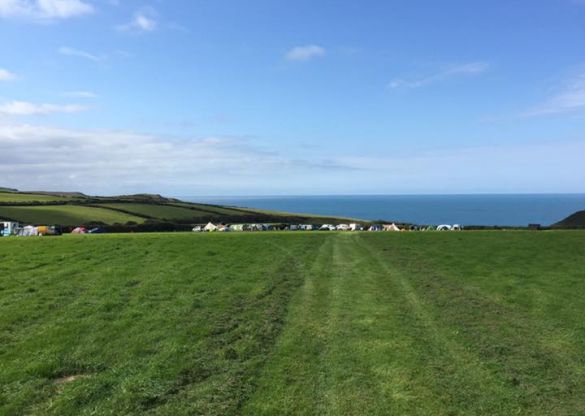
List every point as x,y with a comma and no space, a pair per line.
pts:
215,97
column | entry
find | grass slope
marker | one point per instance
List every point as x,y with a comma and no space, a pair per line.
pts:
169,214
66,215
294,323
172,212
576,220
23,197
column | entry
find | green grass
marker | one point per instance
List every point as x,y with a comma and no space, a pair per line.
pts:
17,197
225,211
164,212
471,323
576,220
66,215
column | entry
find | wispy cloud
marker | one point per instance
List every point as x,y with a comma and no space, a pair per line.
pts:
118,161
467,69
569,99
305,53
121,161
44,9
6,75
23,108
67,51
80,94
144,20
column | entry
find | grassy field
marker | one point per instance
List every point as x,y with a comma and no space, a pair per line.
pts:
18,197
166,212
132,212
67,215
472,323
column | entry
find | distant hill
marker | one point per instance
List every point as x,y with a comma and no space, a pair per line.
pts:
576,220
3,189
140,212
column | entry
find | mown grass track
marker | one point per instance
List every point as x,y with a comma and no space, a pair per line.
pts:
294,323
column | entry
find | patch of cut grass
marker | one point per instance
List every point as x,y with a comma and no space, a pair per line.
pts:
18,197
478,323
162,212
66,215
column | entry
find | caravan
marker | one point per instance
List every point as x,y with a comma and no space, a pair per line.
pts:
8,228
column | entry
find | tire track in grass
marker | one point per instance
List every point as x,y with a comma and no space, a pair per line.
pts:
292,381
538,358
358,341
456,380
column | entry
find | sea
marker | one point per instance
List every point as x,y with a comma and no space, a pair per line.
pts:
482,210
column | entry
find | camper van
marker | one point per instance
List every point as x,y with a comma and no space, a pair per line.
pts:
8,228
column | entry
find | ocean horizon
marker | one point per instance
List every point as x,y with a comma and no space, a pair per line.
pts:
464,209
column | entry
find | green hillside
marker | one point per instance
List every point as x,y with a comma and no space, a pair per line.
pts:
143,210
293,324
173,212
7,197
576,220
66,215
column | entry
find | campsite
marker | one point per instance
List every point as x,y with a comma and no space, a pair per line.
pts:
292,208
484,322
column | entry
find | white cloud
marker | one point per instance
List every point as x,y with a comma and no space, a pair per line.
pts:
80,94
570,99
23,108
120,162
107,161
305,53
64,50
6,75
142,21
44,9
468,69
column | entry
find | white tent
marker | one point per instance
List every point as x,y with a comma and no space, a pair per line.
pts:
444,227
210,227
355,227
258,227
327,227
197,229
28,231
391,227
342,227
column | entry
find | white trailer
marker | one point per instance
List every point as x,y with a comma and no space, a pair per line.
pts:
8,228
